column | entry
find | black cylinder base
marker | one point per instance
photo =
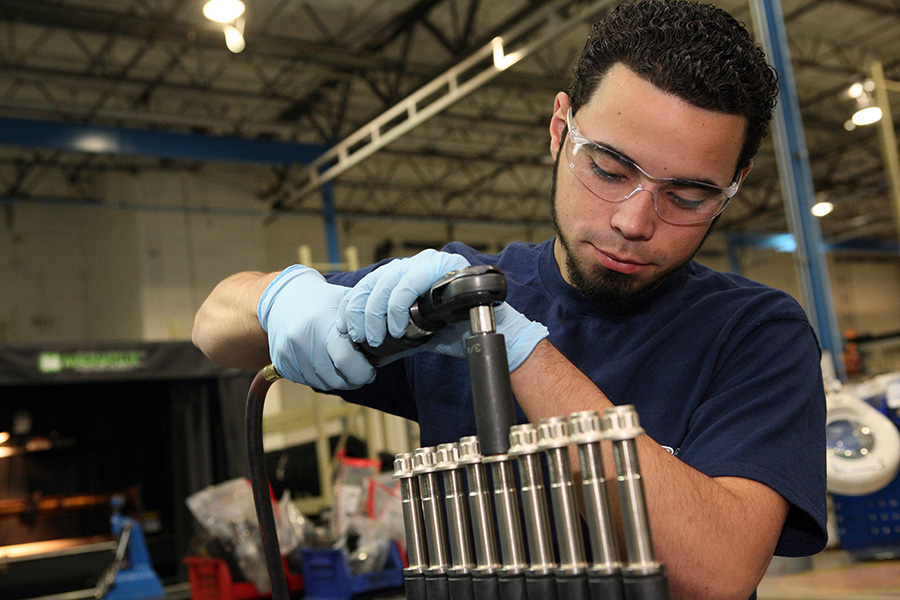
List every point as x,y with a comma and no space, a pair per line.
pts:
573,588
540,588
461,587
512,587
437,588
486,588
606,588
647,587
415,587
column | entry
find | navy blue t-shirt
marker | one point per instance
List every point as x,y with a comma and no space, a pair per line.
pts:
724,372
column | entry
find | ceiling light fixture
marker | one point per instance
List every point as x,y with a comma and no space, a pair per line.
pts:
867,110
820,209
223,11
234,37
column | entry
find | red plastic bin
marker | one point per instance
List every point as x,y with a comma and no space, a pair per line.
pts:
210,579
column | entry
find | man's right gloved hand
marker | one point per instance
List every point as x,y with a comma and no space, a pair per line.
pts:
298,312
378,305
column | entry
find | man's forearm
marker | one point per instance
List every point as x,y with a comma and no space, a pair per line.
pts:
226,328
715,535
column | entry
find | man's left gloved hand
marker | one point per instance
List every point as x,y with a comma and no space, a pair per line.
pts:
378,305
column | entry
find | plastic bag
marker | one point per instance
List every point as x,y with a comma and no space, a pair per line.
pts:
226,511
350,485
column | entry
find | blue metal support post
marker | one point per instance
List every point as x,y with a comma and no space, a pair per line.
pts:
330,216
797,184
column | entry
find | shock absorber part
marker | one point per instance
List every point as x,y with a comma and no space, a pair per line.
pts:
436,584
460,532
605,570
487,562
513,563
414,526
553,439
539,579
643,575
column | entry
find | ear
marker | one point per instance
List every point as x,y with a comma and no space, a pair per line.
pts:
558,122
744,172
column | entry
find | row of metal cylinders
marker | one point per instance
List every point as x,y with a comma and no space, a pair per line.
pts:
464,525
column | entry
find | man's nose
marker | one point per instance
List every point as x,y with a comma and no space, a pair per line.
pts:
635,217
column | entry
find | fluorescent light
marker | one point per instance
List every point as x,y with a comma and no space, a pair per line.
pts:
867,115
503,61
234,40
223,11
820,209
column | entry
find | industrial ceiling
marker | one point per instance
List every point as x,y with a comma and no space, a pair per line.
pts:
314,72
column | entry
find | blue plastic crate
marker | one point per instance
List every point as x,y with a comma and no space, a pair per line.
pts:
871,521
327,576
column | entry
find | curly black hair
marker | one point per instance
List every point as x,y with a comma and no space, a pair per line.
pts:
693,50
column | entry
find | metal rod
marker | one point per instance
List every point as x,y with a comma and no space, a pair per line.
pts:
414,526
539,579
642,575
553,439
487,558
585,433
605,569
435,524
460,531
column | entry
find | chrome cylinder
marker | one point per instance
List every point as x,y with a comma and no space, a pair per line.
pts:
424,460
585,432
460,531
414,527
622,426
484,530
553,440
481,319
509,525
538,536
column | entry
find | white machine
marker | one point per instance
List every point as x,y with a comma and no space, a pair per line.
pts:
863,445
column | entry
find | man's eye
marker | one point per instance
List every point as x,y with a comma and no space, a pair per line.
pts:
688,198
605,174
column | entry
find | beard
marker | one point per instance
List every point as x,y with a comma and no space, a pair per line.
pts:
601,284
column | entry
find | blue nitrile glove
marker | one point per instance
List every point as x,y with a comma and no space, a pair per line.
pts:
379,304
298,311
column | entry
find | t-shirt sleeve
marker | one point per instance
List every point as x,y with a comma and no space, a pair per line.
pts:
761,374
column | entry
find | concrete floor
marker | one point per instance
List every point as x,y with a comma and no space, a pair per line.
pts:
831,575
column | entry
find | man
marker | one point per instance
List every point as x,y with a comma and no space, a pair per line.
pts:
669,104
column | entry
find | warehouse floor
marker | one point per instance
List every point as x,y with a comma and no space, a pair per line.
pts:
831,575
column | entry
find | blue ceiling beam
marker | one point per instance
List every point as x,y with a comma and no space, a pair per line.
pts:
121,141
786,242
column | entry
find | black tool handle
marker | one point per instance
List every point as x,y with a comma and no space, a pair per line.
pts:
646,587
415,587
491,391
